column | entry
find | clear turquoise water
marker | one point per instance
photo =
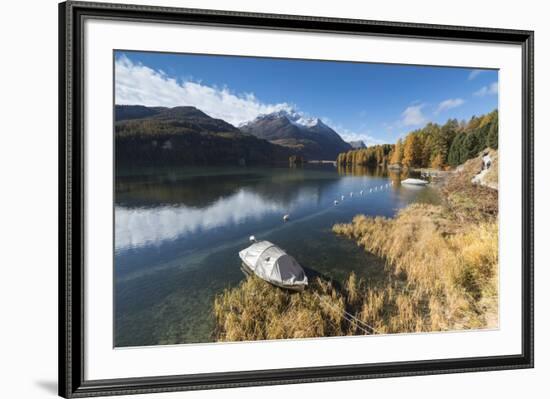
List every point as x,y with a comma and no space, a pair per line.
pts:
178,233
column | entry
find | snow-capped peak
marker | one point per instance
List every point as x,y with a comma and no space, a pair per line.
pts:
295,117
307,121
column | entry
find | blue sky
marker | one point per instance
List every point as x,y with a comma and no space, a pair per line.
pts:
377,103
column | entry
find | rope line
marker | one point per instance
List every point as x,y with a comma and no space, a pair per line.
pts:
361,325
349,317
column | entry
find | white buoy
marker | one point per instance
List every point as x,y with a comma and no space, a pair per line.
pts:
286,217
343,197
351,194
370,190
361,192
335,202
252,239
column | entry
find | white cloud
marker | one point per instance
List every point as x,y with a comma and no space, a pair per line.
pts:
137,84
449,104
413,116
369,140
475,73
410,117
487,90
350,135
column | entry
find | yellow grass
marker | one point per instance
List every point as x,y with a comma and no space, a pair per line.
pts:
443,277
257,310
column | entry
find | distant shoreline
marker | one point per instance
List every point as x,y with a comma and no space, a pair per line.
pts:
323,161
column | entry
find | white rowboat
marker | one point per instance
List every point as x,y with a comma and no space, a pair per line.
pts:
416,182
272,264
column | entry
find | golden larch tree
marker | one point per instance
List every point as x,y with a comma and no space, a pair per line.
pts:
397,153
411,152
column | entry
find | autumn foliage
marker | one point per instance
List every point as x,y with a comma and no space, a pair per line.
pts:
433,146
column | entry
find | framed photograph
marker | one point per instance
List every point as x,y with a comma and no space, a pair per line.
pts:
252,199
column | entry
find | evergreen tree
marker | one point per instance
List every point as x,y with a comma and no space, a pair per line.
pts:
470,147
482,138
449,131
454,152
492,135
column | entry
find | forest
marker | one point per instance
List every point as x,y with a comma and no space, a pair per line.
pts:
186,136
433,146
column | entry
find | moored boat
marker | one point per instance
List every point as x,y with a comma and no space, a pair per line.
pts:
415,182
274,265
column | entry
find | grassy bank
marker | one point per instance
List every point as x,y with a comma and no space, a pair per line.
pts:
441,273
442,276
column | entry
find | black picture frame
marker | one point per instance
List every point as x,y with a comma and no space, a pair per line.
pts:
71,199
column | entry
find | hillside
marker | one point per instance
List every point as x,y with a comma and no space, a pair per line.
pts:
186,135
311,137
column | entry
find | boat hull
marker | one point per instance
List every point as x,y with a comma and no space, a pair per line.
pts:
249,272
415,182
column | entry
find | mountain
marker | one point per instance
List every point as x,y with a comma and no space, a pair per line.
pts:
186,135
358,144
178,118
125,112
309,136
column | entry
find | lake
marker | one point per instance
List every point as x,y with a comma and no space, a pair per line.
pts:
178,232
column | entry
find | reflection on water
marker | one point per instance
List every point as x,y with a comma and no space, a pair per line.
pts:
394,175
178,232
137,227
